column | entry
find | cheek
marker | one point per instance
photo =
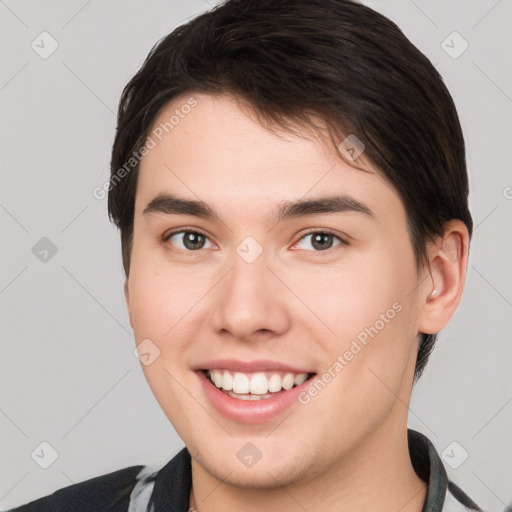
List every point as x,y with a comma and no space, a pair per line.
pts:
156,297
370,309
158,303
354,294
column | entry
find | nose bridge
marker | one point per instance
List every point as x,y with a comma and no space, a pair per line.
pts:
246,302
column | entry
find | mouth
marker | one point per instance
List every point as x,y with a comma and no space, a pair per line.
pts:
255,385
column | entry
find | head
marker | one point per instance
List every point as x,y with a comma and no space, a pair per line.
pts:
275,121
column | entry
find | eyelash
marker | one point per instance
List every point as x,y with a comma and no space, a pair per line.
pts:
325,231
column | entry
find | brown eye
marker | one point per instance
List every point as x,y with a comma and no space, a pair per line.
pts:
319,241
322,241
189,240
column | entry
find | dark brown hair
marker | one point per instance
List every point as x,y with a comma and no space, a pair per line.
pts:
296,60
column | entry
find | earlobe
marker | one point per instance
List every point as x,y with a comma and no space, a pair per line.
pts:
442,292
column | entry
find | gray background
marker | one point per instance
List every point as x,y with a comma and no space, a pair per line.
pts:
68,374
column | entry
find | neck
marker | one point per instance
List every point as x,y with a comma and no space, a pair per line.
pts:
376,475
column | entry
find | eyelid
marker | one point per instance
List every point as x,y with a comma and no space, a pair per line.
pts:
343,239
184,229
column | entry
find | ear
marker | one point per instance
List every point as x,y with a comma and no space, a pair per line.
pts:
442,290
127,301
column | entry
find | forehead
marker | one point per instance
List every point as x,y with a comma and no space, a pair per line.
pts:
220,154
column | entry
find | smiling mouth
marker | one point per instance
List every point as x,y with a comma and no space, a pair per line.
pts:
257,385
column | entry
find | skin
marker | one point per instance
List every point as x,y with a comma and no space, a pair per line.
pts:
347,448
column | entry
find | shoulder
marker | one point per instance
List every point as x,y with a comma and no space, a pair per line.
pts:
110,492
132,489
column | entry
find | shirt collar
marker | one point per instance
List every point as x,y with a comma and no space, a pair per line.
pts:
429,467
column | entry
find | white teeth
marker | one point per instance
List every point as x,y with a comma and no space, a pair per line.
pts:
288,381
241,384
300,378
216,378
256,383
227,381
274,383
259,384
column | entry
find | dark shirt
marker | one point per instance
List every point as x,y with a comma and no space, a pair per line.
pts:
136,489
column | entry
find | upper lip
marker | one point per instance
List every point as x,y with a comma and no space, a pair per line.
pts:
259,365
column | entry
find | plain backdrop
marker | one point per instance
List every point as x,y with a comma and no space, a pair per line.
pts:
68,374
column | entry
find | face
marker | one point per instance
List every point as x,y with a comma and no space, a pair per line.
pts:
259,254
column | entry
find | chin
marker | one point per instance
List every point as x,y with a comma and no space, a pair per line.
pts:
225,462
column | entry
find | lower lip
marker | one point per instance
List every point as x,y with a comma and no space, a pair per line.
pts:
250,411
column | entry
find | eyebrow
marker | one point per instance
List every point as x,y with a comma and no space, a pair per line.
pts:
170,204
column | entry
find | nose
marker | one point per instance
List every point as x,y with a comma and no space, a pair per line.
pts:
249,303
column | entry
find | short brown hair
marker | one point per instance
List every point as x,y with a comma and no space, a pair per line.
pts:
291,61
